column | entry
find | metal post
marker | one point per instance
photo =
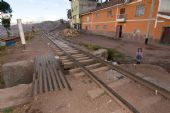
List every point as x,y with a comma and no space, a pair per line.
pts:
149,22
21,32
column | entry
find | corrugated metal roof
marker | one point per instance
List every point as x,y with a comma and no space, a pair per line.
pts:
164,6
106,4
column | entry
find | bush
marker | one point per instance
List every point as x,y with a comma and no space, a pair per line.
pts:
2,84
110,54
113,55
2,48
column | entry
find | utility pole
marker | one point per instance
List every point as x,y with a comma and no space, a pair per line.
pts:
21,32
149,22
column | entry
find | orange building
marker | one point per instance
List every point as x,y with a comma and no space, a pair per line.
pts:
130,19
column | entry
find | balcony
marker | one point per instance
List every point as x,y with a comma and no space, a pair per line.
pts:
121,18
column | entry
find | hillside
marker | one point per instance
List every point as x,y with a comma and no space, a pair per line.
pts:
46,25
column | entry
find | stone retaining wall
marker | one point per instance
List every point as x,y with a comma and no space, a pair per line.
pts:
17,73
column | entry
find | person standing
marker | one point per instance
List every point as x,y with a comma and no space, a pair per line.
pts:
139,56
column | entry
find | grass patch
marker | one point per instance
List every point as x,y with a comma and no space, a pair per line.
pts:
2,50
92,47
8,110
2,84
30,35
113,55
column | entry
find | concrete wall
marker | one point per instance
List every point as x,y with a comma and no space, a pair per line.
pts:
17,73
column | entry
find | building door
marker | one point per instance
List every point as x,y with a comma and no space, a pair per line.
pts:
86,28
165,35
119,31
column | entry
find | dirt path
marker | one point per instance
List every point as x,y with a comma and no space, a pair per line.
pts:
76,101
34,48
16,53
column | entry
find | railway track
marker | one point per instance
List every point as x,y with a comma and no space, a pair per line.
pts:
48,76
74,56
158,89
85,63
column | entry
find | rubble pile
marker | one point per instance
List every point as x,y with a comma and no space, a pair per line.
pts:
69,33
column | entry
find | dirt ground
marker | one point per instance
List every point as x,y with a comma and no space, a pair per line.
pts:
153,73
153,54
34,48
76,101
15,53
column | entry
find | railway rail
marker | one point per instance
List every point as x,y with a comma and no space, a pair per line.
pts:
70,50
48,76
158,89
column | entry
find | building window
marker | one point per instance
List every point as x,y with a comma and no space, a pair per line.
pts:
109,13
77,16
97,15
74,17
140,10
105,27
97,27
122,11
88,18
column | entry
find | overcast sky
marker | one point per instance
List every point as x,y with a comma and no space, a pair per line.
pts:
39,10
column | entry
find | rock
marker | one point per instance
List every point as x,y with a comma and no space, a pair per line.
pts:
114,63
15,96
95,93
102,53
17,73
112,74
69,33
2,44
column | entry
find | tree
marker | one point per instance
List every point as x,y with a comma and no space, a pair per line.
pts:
7,25
69,14
6,11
